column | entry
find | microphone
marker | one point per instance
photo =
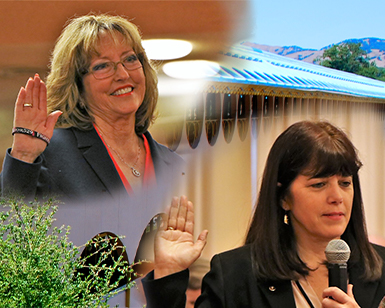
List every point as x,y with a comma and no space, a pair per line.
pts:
337,254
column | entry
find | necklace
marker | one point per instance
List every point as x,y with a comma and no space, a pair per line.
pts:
134,171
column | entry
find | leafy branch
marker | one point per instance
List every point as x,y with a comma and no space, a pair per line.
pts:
40,266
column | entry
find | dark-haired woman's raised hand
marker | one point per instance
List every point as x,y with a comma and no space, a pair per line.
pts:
31,113
335,297
175,248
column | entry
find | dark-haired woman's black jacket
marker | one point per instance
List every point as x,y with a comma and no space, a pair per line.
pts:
231,284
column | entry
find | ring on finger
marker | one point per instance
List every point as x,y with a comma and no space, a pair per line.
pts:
170,228
27,105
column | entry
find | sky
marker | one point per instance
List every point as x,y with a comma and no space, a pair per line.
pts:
316,24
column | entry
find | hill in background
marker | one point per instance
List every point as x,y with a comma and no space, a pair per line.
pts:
374,47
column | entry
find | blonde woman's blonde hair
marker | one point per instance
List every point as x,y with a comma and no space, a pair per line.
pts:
71,59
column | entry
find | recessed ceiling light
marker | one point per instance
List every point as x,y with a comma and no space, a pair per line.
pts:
194,69
166,49
179,87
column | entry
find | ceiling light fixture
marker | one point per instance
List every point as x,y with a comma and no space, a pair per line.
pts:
162,49
194,69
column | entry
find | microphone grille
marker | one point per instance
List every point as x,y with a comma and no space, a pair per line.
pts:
337,252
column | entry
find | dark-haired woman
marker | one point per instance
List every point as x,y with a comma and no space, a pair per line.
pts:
310,194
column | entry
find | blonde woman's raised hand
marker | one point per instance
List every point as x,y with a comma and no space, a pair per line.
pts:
175,248
31,114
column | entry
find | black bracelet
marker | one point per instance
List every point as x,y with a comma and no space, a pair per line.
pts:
26,131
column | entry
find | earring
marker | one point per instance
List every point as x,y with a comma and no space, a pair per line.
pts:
286,219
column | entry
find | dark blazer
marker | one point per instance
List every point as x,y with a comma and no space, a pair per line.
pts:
77,169
231,284
76,165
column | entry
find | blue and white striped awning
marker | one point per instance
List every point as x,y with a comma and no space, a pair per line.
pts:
245,65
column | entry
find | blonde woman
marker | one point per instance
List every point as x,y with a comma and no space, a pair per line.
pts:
100,97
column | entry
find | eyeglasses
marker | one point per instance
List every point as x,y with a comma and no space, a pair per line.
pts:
108,69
